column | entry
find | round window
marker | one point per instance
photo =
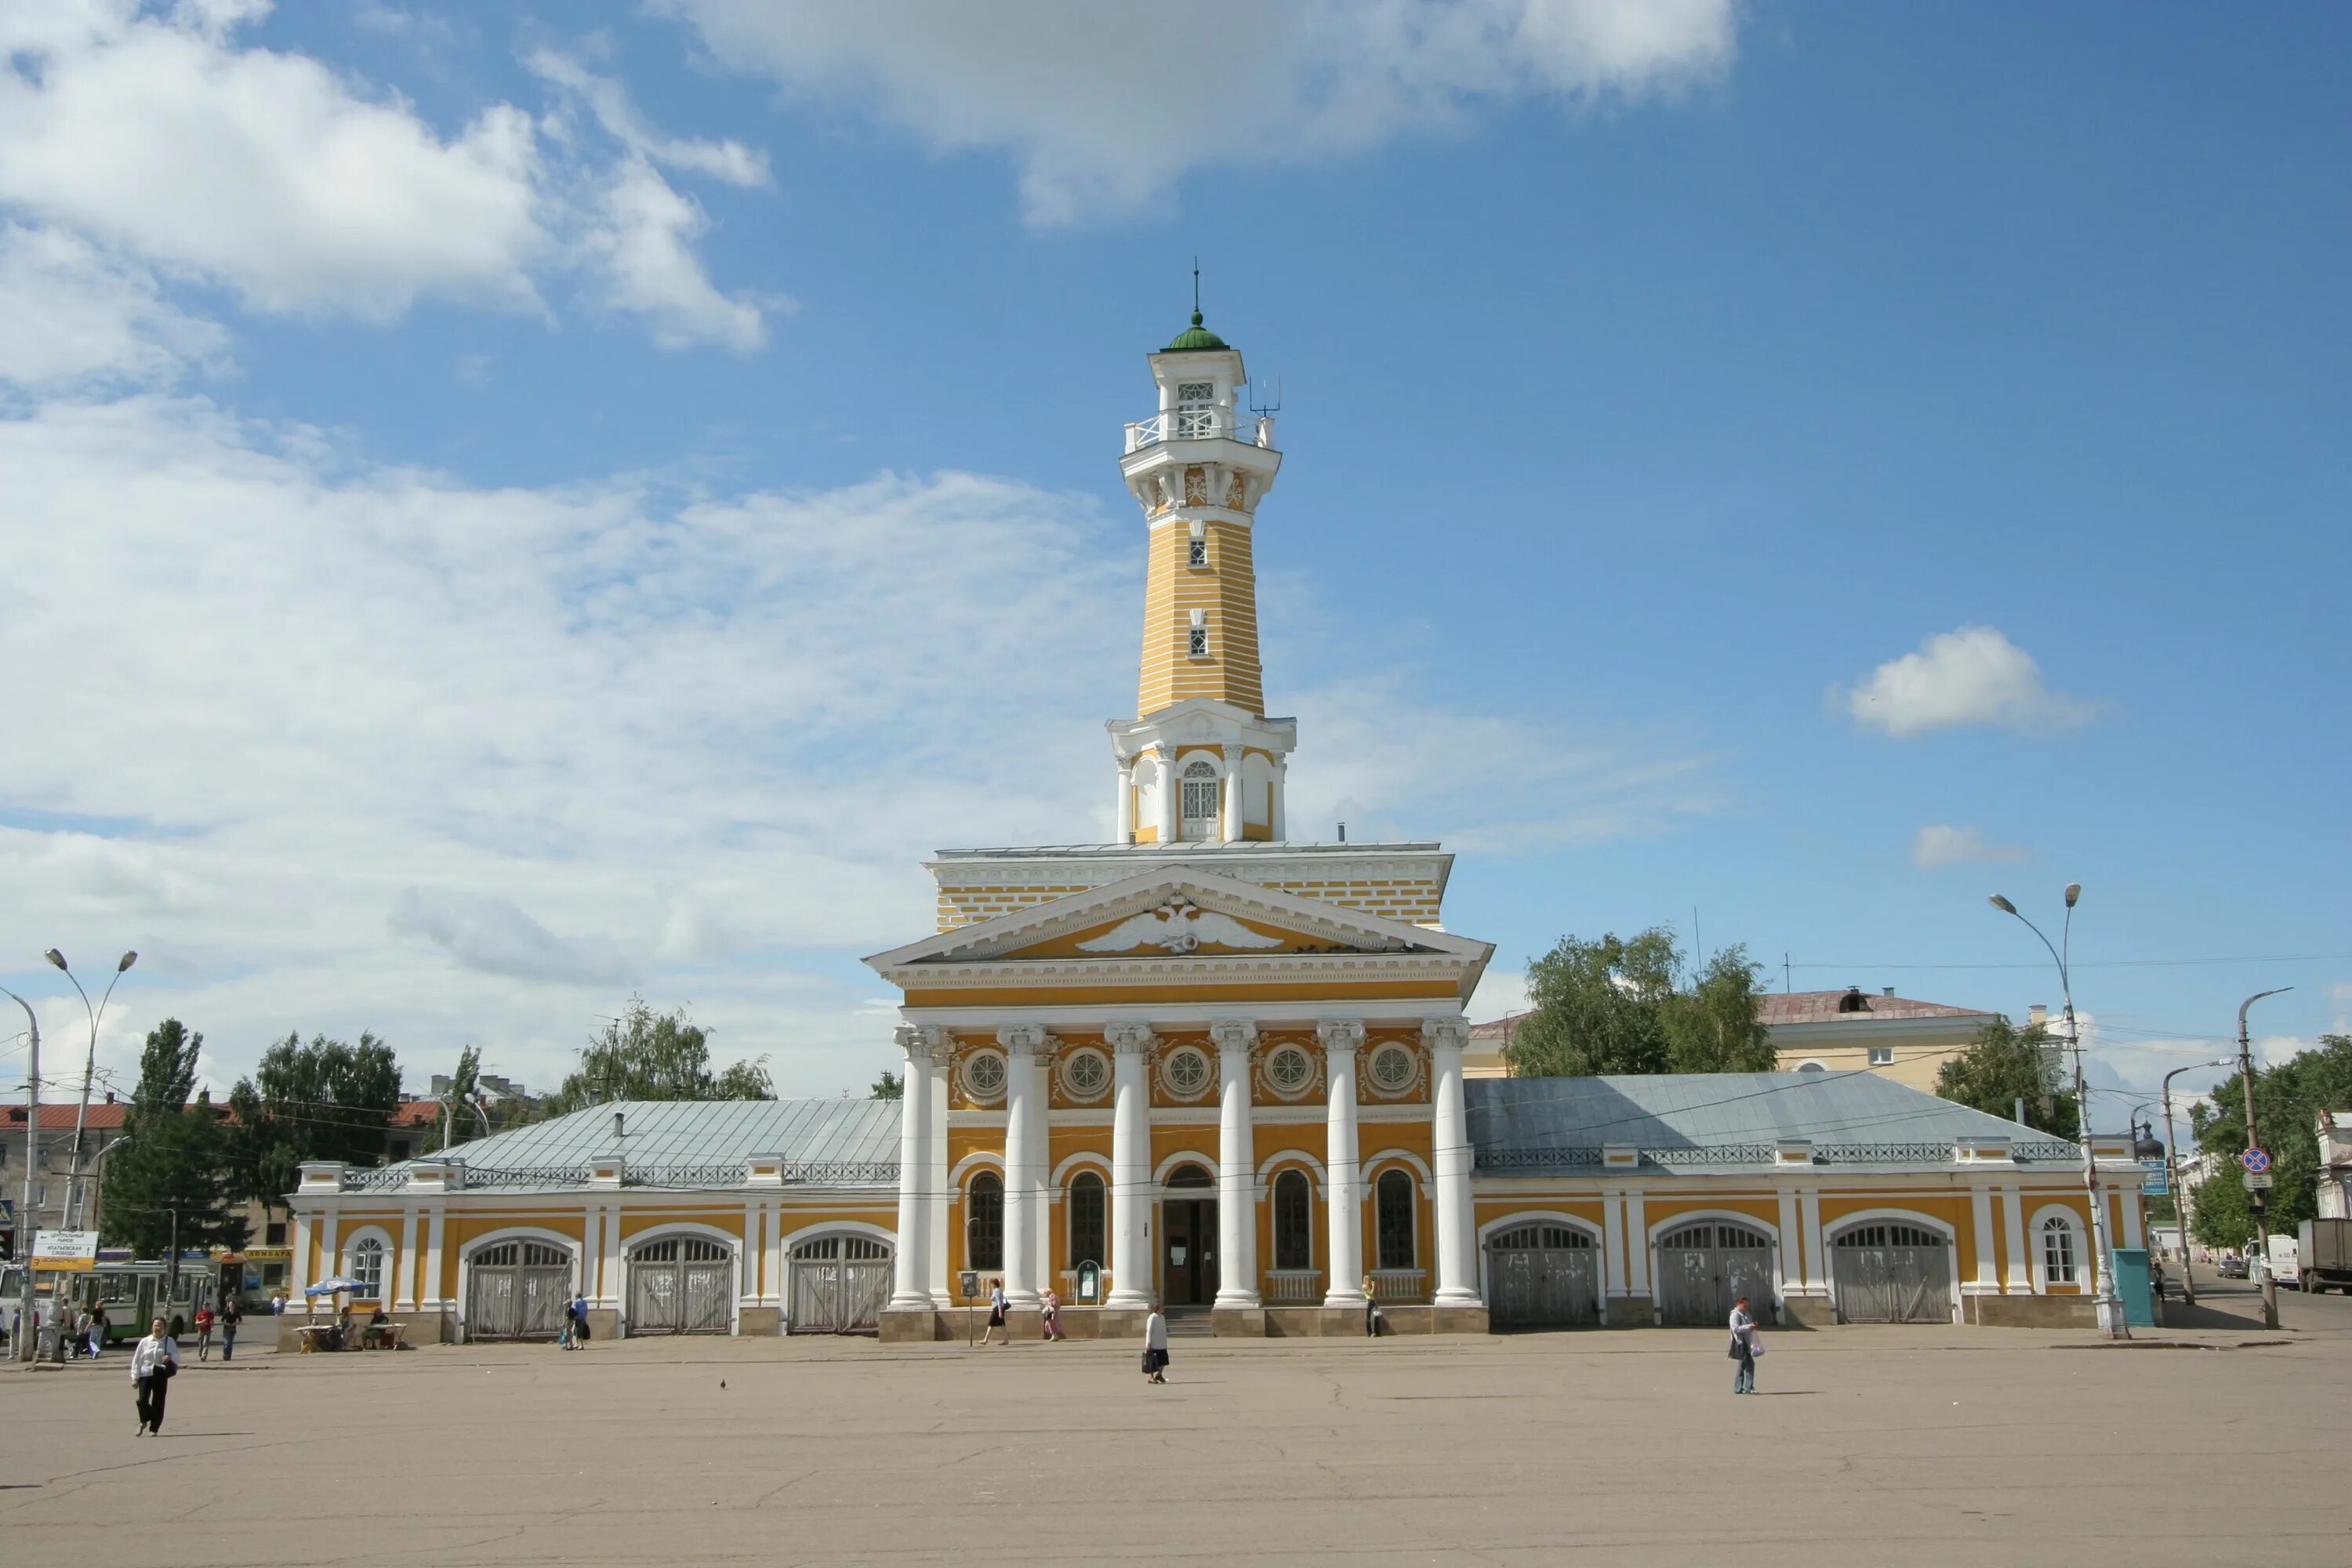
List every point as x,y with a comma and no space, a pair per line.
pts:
1391,1068
1086,1074
1186,1072
983,1074
1289,1070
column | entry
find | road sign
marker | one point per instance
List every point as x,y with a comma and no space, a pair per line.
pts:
2255,1161
2154,1185
2258,1181
65,1250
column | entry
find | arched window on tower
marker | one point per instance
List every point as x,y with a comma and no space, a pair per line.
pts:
1200,799
984,1222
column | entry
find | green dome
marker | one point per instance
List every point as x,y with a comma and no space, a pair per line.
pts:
1193,339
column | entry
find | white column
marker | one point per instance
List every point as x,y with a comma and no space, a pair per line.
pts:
1817,1269
1637,1245
1126,814
616,1294
1130,1166
1236,1166
1230,806
1277,821
2013,1222
772,1246
1981,1221
1613,1242
1025,1153
405,1280
435,1294
1343,1176
910,1290
942,1184
1457,1220
1789,1258
1170,792
2127,1201
298,1274
747,1288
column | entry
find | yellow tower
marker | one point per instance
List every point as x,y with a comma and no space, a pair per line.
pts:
1201,763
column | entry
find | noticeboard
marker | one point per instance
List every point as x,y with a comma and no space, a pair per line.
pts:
64,1251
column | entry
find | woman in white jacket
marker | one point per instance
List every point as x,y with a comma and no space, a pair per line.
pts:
152,1366
1155,1346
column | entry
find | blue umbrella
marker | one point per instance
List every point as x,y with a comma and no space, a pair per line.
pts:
329,1287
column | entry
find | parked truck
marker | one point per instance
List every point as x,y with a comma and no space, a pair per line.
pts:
2325,1248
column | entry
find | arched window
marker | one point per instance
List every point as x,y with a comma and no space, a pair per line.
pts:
1294,1221
1086,1220
1200,799
2057,1251
367,1269
984,1222
1393,1199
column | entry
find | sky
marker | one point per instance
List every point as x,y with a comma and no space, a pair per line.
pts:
509,506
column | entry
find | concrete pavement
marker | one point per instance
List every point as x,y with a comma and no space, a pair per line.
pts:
1870,1446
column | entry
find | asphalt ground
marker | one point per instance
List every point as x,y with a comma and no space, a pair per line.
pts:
1866,1445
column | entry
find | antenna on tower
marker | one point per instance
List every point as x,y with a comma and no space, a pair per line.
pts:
1196,290
1266,409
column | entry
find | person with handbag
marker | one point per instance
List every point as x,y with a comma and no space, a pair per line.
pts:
152,1366
232,1313
1155,1346
1745,1347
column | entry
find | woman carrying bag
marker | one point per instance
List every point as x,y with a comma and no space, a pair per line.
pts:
1745,1347
152,1366
1155,1346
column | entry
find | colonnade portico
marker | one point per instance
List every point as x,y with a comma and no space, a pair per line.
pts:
1144,1141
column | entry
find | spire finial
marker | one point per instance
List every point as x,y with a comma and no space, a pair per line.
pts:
1196,290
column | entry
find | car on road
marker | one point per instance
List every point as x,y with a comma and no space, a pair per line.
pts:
2231,1267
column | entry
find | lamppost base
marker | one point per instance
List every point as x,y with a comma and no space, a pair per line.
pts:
2113,1324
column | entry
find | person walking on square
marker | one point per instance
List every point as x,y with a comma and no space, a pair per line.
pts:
1371,1310
204,1333
152,1366
97,1326
1155,1346
232,1313
1745,1347
997,1315
579,1319
1051,1316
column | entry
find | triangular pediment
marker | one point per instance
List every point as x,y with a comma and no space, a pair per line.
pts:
1180,912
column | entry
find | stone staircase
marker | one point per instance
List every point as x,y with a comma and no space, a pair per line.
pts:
1188,1322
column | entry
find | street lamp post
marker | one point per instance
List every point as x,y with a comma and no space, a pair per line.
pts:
28,1217
89,1072
2179,1193
2256,1198
2110,1308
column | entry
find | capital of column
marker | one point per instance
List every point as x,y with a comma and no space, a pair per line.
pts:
1340,1035
927,1041
1446,1034
1024,1039
1233,1034
1233,755
1129,1039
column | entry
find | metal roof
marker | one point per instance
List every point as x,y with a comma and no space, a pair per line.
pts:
685,1143
1714,1120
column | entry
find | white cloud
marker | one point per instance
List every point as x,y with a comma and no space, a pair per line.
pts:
169,150
1970,675
1104,106
1500,994
75,316
348,746
1940,843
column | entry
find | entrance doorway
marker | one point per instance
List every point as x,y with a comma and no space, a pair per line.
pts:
1188,1239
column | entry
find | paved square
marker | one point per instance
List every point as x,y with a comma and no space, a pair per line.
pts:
1869,1447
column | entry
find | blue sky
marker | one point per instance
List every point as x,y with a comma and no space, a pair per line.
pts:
515,504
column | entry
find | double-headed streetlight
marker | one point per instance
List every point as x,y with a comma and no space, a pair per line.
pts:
2110,1308
2257,1198
2179,1193
89,1070
27,1217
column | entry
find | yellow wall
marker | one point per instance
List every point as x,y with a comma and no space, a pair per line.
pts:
1226,589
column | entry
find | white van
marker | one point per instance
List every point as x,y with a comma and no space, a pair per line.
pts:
2285,1261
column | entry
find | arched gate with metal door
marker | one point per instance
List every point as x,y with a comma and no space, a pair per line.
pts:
1703,1268
839,1284
1542,1275
517,1291
1891,1273
681,1285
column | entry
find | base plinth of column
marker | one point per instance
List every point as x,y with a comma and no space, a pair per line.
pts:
1630,1312
1238,1323
910,1325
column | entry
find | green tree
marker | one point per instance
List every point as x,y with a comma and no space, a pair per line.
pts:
175,1159
889,1085
646,1054
1615,1006
2288,1098
324,1101
2005,1064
